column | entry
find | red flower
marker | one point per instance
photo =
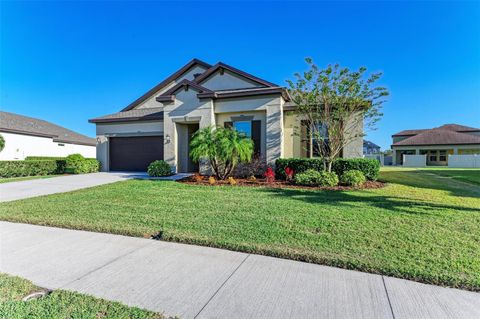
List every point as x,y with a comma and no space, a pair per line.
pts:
269,175
289,172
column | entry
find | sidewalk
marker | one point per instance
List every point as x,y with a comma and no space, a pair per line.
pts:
201,282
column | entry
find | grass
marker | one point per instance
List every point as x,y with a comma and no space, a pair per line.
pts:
25,178
60,304
421,226
466,175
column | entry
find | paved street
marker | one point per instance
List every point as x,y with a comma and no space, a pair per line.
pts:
201,282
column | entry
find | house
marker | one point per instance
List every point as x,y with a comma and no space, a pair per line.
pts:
436,143
160,123
27,136
370,148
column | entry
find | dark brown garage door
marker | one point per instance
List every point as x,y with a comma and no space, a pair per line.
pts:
134,153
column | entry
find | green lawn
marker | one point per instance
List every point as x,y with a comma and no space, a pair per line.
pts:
59,304
467,175
421,226
25,178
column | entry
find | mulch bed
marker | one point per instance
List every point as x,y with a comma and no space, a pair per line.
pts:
262,182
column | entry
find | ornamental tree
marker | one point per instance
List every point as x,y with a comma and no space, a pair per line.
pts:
333,102
224,148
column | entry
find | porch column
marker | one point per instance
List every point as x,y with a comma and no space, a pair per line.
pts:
394,157
274,131
170,141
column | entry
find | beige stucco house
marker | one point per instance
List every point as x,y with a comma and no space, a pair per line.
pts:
160,123
436,144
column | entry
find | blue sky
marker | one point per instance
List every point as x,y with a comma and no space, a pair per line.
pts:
67,62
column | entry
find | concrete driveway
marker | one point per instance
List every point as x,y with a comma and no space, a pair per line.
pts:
201,282
38,187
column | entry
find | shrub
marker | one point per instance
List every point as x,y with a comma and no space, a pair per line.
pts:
30,168
353,178
253,168
159,168
77,164
2,143
369,167
289,173
312,177
41,158
198,178
252,178
269,175
232,181
212,180
298,165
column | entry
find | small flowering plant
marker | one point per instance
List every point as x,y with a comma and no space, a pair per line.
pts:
289,172
269,175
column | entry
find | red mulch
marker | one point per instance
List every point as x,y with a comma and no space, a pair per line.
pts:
262,182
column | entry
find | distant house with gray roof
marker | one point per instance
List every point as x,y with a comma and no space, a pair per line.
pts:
27,136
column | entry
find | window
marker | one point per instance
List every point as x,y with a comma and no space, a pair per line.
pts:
443,156
244,127
433,157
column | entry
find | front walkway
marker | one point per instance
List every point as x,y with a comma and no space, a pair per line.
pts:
201,282
38,187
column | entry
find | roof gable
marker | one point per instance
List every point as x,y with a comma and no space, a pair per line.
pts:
220,68
167,81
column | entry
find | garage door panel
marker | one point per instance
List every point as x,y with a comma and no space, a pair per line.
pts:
134,153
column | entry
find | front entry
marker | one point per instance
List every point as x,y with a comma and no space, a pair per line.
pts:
185,133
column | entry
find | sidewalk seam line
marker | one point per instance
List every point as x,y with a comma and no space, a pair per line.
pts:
388,297
221,286
104,265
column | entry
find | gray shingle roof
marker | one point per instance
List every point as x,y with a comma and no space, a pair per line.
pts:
448,134
15,123
147,114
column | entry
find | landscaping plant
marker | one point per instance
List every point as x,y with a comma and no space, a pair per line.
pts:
368,166
2,143
269,175
232,181
333,103
223,148
289,172
77,164
353,178
212,180
159,168
312,177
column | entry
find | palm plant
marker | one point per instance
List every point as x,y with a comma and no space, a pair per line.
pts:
224,148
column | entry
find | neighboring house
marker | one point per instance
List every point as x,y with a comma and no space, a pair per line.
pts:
26,136
370,148
436,143
160,123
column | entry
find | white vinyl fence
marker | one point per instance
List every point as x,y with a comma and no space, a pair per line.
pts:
464,161
414,160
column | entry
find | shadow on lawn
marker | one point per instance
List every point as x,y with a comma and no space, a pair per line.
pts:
428,180
348,198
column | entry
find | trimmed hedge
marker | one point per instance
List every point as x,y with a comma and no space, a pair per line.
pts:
313,177
43,158
77,164
299,165
369,167
31,168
